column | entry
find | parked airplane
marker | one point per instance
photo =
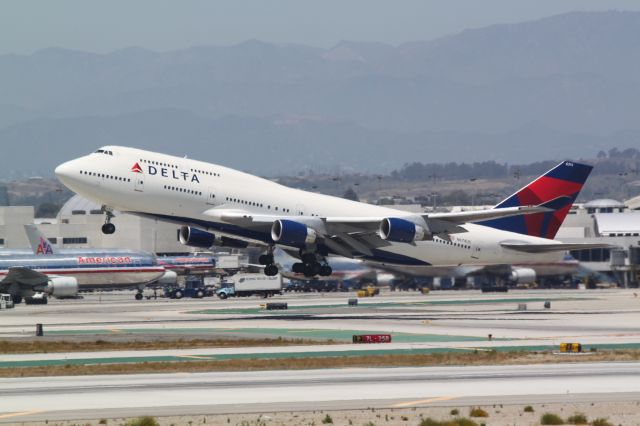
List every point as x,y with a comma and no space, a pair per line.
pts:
41,245
491,274
65,273
219,205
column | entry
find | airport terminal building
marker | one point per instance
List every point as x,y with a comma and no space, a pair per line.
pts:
78,224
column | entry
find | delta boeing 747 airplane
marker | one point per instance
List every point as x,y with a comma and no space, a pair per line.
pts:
217,205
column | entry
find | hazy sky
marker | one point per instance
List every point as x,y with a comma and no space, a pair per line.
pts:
100,26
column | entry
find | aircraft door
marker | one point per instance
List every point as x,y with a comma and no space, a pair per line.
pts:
211,196
138,184
475,252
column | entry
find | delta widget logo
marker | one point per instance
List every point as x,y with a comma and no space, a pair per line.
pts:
136,168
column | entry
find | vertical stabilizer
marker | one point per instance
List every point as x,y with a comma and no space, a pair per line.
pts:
557,190
39,243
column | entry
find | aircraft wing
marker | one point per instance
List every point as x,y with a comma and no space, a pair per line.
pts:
547,248
357,236
23,278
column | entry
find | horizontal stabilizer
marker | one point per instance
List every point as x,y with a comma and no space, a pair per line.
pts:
547,248
479,215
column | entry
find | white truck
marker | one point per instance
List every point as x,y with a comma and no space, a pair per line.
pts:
245,284
6,302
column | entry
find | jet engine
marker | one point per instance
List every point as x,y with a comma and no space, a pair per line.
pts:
401,230
195,237
291,232
169,278
62,287
523,275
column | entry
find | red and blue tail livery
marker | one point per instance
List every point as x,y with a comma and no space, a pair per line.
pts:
557,190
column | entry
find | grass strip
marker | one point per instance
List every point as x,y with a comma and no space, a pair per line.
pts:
395,360
54,346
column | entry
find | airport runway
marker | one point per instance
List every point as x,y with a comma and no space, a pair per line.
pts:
34,399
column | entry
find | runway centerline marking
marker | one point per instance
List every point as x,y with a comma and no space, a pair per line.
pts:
423,401
22,413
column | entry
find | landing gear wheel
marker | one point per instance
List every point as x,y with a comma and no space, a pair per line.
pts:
271,270
311,269
325,270
297,268
308,258
138,296
108,228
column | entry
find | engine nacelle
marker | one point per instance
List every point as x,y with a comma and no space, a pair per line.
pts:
195,237
291,232
401,231
523,275
169,278
62,287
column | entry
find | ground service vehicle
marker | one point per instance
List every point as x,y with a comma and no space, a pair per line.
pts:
249,284
193,287
6,302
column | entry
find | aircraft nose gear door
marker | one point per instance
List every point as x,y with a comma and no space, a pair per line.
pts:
139,183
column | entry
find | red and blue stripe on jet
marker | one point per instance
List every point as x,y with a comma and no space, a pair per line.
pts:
557,190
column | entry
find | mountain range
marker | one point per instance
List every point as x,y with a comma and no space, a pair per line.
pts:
562,86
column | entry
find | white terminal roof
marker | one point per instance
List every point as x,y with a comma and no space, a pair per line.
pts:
618,223
603,203
634,203
77,203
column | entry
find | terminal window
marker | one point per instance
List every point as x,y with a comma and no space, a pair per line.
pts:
74,240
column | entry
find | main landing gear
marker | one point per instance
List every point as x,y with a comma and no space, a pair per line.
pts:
139,294
108,228
310,267
270,269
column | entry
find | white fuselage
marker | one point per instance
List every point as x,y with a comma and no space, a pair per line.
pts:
181,190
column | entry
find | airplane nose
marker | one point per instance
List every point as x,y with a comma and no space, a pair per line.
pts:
64,170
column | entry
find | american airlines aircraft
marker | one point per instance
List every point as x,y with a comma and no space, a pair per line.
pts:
220,206
64,273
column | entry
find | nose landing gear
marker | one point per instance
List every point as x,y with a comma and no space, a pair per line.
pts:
108,228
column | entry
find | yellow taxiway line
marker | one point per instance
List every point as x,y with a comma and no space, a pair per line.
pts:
423,401
23,413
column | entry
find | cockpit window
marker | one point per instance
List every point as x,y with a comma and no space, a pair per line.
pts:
104,151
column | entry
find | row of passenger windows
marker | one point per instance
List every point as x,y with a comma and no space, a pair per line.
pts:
451,243
178,189
251,203
102,175
204,172
158,163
